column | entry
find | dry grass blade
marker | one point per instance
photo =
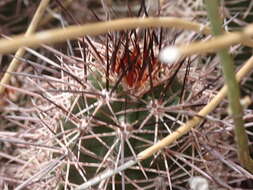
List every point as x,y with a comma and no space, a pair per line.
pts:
20,52
49,17
71,32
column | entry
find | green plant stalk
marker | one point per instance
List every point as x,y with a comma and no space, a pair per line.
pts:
233,88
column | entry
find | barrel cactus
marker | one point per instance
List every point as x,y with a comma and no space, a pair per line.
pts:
114,102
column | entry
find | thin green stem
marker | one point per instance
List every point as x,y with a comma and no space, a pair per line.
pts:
233,88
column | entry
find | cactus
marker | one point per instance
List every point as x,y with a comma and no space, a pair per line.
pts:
118,102
126,113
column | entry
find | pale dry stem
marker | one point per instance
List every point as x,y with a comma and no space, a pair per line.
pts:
20,52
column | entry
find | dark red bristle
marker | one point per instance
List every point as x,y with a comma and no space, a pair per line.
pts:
135,62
